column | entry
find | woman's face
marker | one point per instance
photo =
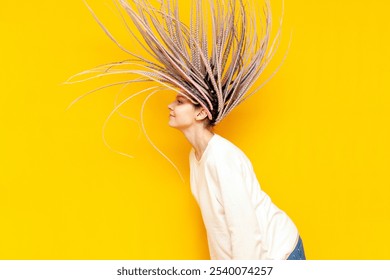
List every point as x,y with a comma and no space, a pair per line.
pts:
182,113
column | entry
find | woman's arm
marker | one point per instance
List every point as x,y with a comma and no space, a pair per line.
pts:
231,176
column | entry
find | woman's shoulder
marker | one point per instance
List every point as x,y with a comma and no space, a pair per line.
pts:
223,149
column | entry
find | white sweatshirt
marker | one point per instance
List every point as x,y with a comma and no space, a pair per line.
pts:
240,219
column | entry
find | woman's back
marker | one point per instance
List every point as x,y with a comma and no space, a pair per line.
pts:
240,219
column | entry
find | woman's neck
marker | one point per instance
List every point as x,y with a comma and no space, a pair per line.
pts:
199,140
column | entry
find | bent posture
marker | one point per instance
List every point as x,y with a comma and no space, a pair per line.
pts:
213,64
240,219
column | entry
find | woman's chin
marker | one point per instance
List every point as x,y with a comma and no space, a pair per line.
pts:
171,123
174,125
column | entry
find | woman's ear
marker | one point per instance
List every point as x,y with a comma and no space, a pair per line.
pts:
201,114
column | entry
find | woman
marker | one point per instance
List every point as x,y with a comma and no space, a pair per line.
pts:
213,65
240,219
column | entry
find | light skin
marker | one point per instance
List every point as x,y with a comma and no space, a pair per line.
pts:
190,120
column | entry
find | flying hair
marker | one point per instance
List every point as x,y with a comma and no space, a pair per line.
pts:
214,62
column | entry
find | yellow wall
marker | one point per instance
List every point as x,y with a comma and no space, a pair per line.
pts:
317,134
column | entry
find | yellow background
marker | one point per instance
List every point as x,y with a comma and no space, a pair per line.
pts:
317,134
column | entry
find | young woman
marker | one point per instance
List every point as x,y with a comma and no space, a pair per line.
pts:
240,219
213,65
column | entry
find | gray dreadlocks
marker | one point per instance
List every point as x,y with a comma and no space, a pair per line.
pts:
214,61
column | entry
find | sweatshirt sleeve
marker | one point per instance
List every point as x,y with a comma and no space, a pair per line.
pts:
231,176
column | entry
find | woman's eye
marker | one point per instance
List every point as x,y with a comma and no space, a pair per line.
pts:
178,101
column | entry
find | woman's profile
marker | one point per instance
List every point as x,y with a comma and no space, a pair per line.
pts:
212,64
240,219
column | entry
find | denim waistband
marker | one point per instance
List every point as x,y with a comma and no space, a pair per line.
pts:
298,253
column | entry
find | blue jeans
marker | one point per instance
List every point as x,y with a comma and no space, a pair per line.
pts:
298,253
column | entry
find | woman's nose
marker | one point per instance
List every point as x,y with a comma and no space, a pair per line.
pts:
170,107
